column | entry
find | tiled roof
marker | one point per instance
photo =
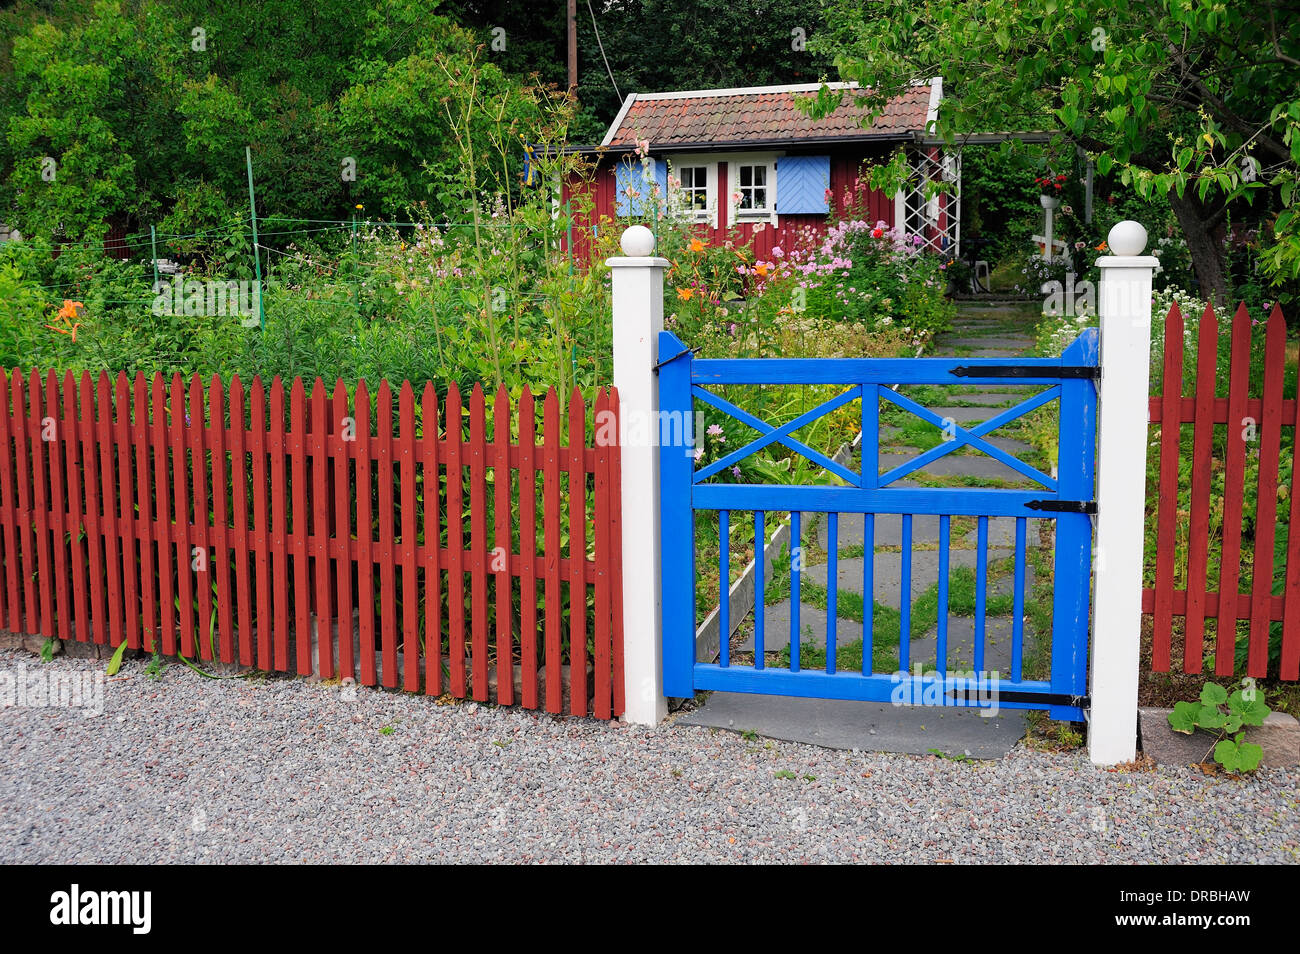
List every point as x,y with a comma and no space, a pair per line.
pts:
759,114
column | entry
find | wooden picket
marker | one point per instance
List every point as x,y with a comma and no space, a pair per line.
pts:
268,519
1253,429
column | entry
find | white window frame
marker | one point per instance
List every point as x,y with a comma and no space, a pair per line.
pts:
733,160
733,173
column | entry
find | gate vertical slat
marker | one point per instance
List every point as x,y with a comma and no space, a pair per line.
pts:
796,557
905,596
387,584
832,585
1018,603
163,499
941,634
478,546
344,441
365,539
180,498
677,527
76,519
41,509
724,586
58,510
981,591
1270,438
1073,566
1234,478
126,510
456,544
504,546
298,526
239,502
1199,522
760,601
410,583
528,548
577,555
869,450
146,528
320,531
221,521
432,546
868,587
551,546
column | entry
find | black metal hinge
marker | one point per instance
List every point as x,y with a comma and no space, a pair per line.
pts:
1087,372
681,354
1064,506
1045,698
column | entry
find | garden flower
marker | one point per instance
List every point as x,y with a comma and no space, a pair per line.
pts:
697,245
735,471
714,430
685,293
699,452
760,269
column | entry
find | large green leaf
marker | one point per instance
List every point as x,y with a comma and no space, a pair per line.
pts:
1253,712
1183,718
1213,694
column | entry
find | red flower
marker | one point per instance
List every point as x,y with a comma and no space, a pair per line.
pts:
877,233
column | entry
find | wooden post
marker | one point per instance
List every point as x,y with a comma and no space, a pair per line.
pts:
1125,308
638,284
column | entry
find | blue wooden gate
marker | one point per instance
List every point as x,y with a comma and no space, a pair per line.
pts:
686,383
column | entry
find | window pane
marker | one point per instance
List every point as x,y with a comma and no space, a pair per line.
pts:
760,198
688,177
746,200
760,175
746,176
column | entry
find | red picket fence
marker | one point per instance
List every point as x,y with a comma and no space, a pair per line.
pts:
1253,438
317,536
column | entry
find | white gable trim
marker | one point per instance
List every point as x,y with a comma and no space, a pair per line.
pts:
932,114
618,120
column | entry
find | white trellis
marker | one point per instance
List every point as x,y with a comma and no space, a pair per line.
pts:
934,216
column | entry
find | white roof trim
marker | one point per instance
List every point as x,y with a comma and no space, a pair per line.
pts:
936,94
618,120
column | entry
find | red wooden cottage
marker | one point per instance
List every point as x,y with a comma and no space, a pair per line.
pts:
746,158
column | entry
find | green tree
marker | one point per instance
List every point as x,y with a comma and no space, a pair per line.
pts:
1195,101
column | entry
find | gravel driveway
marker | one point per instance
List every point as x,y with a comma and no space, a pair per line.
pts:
188,769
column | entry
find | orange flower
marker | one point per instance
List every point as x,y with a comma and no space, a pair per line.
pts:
760,269
685,293
66,326
1102,247
697,245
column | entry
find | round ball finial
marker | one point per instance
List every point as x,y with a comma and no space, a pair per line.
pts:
637,242
1127,238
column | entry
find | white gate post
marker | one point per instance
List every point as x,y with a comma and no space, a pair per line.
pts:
1125,309
638,288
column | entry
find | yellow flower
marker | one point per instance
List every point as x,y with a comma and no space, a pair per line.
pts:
685,293
360,206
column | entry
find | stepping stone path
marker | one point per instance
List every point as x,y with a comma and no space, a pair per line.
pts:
980,331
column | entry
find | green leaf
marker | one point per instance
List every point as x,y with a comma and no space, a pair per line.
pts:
1104,162
1211,718
115,663
1213,694
1251,713
1183,718
1237,755
1003,38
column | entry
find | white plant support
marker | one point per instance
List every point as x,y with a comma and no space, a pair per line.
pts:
1125,311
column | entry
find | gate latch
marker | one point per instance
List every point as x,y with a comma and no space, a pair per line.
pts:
1064,506
681,354
1087,372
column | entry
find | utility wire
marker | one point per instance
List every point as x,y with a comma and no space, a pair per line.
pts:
596,29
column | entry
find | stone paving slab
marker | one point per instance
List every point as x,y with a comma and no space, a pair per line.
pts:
956,466
863,726
1013,343
812,628
961,644
886,577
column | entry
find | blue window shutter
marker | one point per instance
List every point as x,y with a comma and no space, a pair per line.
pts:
631,173
801,184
